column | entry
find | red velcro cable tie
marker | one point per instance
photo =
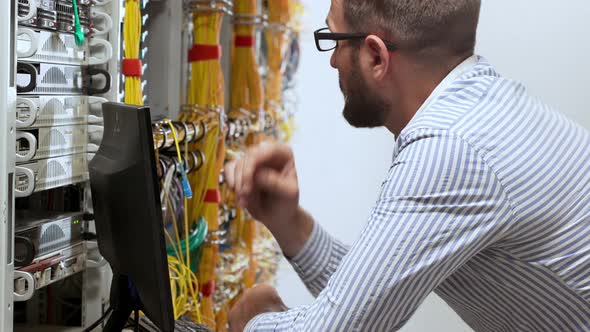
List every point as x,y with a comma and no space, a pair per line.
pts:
208,288
245,41
212,196
201,52
131,67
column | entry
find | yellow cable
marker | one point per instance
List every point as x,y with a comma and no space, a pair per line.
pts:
183,280
132,40
246,83
175,140
206,95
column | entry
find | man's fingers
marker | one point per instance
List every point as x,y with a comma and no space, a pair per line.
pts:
232,321
239,177
253,302
274,156
237,315
275,182
229,174
262,167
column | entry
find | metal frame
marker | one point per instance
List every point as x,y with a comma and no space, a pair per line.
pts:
164,43
97,276
7,154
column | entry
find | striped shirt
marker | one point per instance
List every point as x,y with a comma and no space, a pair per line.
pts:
487,203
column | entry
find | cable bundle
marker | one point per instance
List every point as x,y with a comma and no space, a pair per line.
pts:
206,102
277,39
217,250
183,281
287,120
268,254
246,83
247,101
131,65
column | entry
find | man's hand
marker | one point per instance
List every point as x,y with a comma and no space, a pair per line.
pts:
258,300
265,183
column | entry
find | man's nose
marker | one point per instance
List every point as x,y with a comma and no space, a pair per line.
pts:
333,60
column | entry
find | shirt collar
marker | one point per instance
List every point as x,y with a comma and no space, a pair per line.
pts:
461,69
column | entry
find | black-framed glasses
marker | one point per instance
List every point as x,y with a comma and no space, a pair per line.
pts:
326,40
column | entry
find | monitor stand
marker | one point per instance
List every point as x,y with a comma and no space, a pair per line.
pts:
124,300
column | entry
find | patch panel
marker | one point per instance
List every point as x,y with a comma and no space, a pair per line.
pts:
44,78
41,143
39,233
60,48
51,173
47,111
58,15
49,269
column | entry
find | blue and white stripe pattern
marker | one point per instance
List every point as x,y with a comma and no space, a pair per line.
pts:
487,203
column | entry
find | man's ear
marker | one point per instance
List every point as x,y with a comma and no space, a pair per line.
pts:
379,57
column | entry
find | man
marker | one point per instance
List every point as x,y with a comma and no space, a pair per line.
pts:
486,202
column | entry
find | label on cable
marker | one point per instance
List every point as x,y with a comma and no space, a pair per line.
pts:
186,187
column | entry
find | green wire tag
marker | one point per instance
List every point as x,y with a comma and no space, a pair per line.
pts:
78,34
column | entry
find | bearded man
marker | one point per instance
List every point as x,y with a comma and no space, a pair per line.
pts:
486,202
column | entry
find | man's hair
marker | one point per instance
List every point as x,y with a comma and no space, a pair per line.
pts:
430,28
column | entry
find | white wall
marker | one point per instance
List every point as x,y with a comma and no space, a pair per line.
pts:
543,43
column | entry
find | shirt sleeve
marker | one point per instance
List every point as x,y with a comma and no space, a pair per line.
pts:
318,259
440,206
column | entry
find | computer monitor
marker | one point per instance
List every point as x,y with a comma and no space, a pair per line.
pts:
128,216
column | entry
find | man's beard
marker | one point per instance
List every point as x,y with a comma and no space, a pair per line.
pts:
362,108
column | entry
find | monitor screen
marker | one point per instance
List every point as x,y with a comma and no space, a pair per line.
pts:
127,209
